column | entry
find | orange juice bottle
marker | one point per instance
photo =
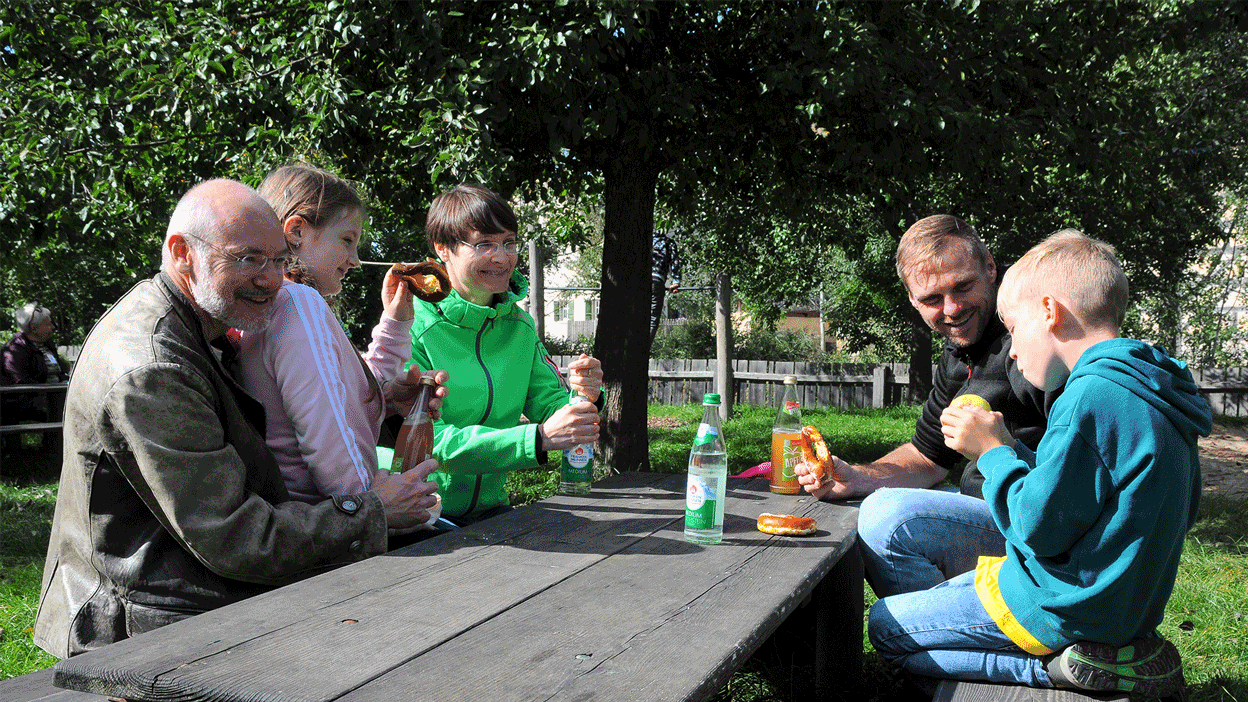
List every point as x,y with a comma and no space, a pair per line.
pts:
786,441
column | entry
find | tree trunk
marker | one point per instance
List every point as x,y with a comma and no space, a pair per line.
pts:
622,338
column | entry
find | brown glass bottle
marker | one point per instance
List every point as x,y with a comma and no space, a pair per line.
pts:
415,441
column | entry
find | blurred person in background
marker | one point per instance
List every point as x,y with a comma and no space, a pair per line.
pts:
30,358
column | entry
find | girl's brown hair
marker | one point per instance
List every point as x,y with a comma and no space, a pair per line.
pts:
317,196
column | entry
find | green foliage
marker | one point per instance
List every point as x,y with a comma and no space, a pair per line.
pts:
785,136
693,338
1199,322
559,346
26,507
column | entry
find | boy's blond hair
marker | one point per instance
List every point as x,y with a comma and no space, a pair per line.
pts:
1081,271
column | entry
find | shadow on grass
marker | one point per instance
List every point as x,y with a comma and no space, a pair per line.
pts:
1220,690
30,464
1223,523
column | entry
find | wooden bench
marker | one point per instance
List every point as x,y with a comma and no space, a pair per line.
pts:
55,393
32,427
37,687
963,691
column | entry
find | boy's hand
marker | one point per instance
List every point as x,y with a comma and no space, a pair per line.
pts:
972,431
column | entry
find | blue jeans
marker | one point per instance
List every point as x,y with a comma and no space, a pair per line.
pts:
944,632
916,539
919,549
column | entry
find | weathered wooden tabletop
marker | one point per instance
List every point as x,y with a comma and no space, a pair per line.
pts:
596,597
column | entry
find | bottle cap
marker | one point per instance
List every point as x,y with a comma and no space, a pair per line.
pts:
790,380
427,380
710,398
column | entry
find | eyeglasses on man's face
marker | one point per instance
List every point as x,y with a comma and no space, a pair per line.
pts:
251,264
511,247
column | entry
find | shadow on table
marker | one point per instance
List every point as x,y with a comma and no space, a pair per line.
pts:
610,523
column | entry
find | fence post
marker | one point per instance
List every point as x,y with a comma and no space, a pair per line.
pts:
723,346
537,291
881,379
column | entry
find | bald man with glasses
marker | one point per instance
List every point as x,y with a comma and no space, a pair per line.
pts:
170,503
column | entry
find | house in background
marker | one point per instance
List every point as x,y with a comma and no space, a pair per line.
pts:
568,314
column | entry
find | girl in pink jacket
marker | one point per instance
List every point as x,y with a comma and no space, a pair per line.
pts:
323,402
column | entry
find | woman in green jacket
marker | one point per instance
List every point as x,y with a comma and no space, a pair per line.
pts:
498,367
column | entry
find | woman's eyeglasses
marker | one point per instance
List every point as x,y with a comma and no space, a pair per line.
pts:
251,264
511,247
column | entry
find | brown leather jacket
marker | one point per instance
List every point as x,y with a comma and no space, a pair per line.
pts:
170,504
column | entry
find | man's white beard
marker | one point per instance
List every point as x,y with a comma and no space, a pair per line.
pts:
218,308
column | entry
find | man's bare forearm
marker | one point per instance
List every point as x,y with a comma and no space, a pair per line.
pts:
904,466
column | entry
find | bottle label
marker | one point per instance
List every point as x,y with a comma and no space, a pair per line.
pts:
579,456
577,461
699,504
792,407
706,434
792,452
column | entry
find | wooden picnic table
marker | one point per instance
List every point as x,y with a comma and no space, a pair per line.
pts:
595,597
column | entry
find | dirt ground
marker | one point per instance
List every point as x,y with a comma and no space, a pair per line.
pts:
1224,461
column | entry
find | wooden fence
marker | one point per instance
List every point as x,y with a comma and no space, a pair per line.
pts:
846,385
1225,388
861,385
857,385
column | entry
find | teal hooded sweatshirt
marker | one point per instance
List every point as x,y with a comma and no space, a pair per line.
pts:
1095,519
499,370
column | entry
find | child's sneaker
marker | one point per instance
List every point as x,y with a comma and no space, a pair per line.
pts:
1146,667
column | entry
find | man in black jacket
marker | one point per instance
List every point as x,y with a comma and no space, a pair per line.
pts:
951,279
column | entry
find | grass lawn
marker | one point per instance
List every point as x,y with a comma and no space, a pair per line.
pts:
1207,616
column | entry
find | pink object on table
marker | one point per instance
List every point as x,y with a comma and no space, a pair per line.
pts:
761,470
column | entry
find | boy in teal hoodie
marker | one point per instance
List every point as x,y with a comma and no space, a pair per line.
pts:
1094,520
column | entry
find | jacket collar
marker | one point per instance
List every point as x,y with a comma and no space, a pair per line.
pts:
181,304
463,313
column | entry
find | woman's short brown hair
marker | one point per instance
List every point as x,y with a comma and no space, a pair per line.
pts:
468,207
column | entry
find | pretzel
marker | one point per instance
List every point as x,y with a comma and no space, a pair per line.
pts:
786,524
815,453
427,280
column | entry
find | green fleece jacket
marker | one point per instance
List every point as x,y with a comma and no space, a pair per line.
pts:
499,370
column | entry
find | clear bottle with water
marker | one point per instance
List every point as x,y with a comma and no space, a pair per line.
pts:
708,478
576,469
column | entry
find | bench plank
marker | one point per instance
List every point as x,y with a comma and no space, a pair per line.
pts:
32,427
37,687
964,691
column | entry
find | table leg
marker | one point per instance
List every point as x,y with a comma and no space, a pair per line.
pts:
839,606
